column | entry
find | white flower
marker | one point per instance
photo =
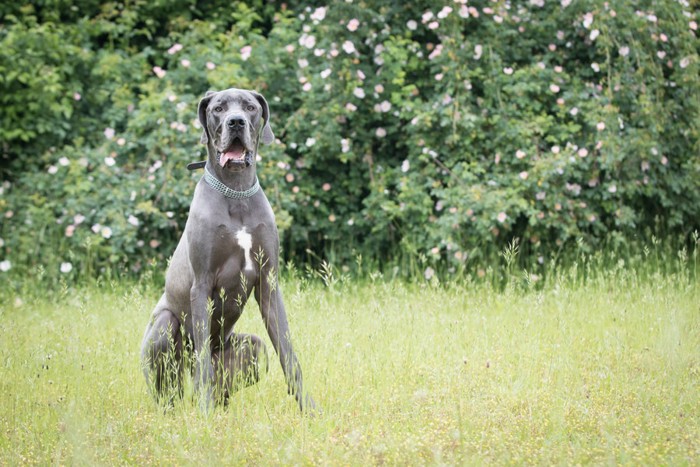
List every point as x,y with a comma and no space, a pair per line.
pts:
319,14
429,273
66,267
109,133
109,161
5,265
245,52
405,166
348,47
133,220
508,70
381,132
554,88
444,13
478,50
359,93
412,25
64,161
310,142
502,216
520,154
326,73
624,51
353,24
106,232
345,145
52,169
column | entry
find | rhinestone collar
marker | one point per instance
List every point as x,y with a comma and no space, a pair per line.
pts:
214,182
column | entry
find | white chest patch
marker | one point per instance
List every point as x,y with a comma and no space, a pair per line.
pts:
245,241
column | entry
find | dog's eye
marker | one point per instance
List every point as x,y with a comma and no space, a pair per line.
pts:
218,108
251,108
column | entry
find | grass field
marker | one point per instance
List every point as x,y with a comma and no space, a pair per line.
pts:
605,371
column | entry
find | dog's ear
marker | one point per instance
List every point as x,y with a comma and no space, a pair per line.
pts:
202,111
267,135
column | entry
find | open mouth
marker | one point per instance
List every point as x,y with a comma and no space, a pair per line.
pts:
236,155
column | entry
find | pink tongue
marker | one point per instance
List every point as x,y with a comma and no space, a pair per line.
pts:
231,156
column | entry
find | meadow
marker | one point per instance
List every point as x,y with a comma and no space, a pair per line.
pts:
601,367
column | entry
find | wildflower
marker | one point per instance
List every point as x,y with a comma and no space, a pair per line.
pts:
445,12
331,218
106,232
685,62
154,243
520,154
587,20
436,52
612,189
326,187
345,145
405,166
595,67
385,106
77,96
109,133
427,16
624,51
52,169
433,25
508,70
379,89
661,54
348,47
78,219
64,161
541,195
412,25
211,65
353,24
174,49
310,142
186,63
600,126
133,220
319,14
439,77
306,87
326,73
289,177
359,93
463,11
554,88
693,25
307,41
478,50
66,267
121,141
70,230
523,175
664,160
583,152
5,265
245,52
381,132
350,107
109,161
160,73
303,63
428,273
594,34
502,216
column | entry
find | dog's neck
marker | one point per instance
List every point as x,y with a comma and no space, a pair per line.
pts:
239,180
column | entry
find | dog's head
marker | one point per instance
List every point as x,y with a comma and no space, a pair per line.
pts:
234,121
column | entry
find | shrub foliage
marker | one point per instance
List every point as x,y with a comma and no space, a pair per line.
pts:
405,130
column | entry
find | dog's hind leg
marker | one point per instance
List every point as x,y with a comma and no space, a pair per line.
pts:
161,356
240,364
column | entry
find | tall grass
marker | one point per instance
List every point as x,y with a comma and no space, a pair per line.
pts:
599,363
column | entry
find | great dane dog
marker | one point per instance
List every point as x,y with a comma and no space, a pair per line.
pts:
229,248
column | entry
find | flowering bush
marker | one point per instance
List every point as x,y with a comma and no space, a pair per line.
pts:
420,131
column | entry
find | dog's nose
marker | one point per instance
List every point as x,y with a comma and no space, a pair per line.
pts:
236,122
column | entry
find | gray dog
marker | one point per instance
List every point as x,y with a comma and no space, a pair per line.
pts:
228,249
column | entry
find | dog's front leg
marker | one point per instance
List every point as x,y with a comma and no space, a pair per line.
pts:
275,319
203,368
